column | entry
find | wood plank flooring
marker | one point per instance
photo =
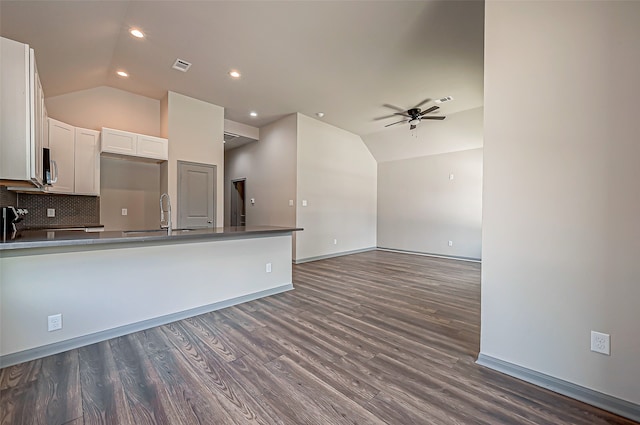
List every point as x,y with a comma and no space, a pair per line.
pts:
371,338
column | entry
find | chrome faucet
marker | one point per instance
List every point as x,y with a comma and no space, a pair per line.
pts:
166,225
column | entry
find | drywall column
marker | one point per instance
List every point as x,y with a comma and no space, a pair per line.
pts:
195,132
561,201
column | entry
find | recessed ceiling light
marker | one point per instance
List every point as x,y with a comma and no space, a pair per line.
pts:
253,114
122,74
320,114
136,33
234,74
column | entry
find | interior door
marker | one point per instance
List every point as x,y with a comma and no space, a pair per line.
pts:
196,195
238,213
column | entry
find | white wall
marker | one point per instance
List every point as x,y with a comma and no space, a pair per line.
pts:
132,185
421,209
107,107
269,167
561,202
458,132
336,175
195,131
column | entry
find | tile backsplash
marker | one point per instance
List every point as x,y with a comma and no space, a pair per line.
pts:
70,210
7,198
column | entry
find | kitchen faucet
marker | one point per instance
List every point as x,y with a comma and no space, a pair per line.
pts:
168,223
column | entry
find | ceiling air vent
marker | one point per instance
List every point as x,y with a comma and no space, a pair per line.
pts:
230,136
181,65
444,99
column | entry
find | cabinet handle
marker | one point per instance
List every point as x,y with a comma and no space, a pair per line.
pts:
55,171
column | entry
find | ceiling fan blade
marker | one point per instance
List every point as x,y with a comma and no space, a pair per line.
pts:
385,117
394,123
386,105
422,103
404,114
426,111
433,118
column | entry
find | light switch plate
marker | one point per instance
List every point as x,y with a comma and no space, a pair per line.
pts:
124,211
304,202
290,202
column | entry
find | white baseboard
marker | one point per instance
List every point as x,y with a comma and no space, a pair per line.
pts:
604,401
336,254
427,254
81,341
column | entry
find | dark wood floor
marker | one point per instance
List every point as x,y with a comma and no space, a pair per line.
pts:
372,338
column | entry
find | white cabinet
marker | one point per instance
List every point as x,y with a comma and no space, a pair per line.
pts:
23,115
133,144
77,159
117,141
152,147
87,162
62,144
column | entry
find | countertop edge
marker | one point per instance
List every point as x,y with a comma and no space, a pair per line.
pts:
161,238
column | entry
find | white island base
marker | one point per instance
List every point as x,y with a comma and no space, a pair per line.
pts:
105,291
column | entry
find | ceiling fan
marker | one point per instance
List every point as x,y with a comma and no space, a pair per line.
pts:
414,115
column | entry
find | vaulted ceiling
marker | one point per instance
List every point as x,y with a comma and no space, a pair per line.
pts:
344,58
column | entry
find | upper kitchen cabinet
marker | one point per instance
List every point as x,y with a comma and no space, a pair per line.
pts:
76,157
87,162
134,145
23,117
61,145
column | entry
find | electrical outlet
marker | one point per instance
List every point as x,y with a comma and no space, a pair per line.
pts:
268,268
304,202
451,176
335,242
290,202
450,243
51,212
600,343
54,322
124,211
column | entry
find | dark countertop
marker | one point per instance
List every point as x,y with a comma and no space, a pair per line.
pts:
58,238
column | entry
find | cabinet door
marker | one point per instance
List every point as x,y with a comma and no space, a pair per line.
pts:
15,120
61,143
153,147
87,160
40,124
116,141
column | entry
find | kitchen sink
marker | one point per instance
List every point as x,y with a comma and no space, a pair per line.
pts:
133,232
151,232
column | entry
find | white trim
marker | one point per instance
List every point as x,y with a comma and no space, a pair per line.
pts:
336,254
81,341
604,401
426,254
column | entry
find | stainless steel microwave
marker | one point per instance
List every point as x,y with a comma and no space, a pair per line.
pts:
49,168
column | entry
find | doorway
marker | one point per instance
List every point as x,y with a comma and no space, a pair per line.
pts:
196,195
238,211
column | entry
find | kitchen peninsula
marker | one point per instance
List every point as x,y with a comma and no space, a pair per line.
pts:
108,284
